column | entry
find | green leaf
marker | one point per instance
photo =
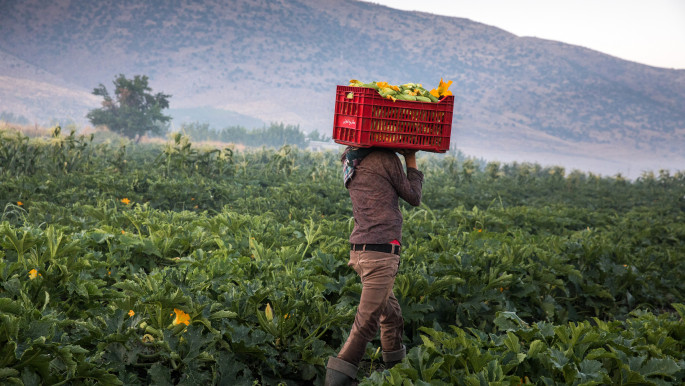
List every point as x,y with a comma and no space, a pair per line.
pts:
30,377
232,371
512,342
536,347
196,341
102,376
655,366
493,371
475,380
591,370
7,372
40,329
509,321
427,342
680,308
160,375
149,248
100,237
558,358
36,359
600,353
10,306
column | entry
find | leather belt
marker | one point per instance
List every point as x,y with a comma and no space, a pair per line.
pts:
386,248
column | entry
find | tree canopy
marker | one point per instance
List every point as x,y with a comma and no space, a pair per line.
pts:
134,110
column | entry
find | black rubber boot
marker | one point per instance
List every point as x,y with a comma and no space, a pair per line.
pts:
340,373
394,357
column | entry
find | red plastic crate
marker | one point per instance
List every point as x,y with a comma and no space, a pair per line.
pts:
363,118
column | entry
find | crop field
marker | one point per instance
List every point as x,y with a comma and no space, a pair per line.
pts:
135,264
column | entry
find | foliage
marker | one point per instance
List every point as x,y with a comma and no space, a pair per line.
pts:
510,274
584,353
134,111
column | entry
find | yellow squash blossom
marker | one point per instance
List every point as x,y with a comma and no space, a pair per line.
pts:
442,90
126,201
20,203
181,317
131,313
268,312
33,274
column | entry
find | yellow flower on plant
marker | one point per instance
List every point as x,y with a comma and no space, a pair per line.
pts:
125,200
181,317
20,203
33,274
269,312
131,313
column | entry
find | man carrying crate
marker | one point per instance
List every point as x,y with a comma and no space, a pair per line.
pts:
375,180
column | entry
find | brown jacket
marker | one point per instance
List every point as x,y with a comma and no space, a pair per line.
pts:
378,183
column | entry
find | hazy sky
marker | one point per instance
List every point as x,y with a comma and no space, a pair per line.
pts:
645,31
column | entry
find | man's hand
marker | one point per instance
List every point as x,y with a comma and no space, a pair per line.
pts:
409,157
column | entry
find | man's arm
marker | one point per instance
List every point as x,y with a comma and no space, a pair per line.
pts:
409,157
409,186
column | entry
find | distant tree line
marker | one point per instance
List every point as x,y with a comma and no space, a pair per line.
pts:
275,135
12,118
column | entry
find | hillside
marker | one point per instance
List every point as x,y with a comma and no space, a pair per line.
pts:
280,61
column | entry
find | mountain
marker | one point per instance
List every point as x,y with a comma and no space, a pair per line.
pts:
27,90
280,60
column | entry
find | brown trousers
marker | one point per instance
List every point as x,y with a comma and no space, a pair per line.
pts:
378,306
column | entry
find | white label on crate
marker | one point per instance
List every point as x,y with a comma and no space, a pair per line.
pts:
347,122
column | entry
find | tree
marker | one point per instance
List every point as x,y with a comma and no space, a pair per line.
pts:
135,112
